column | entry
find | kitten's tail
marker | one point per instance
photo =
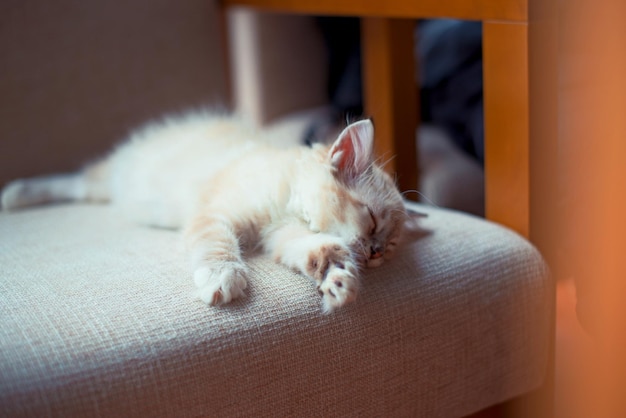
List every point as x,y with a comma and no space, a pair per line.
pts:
90,184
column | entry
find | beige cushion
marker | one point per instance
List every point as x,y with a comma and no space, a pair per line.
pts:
98,318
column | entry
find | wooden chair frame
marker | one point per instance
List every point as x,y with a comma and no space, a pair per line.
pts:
520,104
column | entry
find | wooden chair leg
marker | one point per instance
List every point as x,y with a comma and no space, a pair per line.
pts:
506,101
521,135
390,93
521,160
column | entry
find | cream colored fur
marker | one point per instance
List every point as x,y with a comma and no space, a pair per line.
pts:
323,211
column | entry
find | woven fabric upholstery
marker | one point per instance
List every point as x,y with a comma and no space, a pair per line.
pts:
98,317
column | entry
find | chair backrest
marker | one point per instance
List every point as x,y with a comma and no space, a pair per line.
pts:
76,77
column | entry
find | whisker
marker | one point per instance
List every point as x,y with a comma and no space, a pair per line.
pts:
379,160
421,195
398,211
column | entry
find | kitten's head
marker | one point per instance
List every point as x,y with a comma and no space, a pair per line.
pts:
368,208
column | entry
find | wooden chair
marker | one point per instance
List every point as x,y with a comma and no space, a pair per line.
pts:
519,61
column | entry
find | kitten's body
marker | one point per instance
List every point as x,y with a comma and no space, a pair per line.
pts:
323,211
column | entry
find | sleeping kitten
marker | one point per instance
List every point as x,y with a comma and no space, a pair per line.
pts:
325,211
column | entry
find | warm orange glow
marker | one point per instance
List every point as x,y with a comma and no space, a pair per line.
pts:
593,111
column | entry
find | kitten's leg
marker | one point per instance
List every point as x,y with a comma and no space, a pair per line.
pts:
41,190
324,258
90,184
218,269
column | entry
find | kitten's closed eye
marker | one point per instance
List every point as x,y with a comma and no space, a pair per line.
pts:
375,224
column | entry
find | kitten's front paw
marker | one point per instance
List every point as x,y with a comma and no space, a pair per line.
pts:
338,288
221,283
326,257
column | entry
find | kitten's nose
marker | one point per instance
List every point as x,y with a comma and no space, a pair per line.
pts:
376,252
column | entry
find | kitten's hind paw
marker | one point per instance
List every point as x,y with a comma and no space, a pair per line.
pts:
221,283
338,288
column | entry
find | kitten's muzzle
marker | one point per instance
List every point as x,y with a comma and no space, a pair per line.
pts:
376,252
367,254
375,257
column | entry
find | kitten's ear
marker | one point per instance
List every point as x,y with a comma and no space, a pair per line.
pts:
353,151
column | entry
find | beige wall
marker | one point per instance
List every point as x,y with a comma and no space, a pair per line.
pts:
75,76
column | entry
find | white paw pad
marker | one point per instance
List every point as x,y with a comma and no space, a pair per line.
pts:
338,288
220,284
